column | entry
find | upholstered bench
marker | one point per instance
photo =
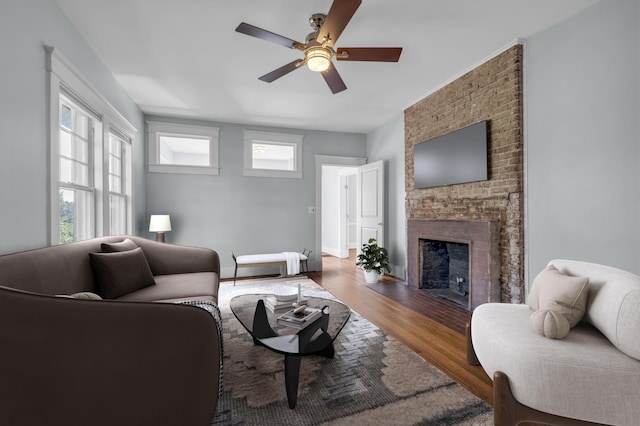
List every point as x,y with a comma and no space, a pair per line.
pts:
290,263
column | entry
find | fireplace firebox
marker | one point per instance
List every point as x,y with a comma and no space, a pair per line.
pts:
444,270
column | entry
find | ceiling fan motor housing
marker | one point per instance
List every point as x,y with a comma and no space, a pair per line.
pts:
316,20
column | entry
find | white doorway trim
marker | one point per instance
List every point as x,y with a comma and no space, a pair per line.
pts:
328,160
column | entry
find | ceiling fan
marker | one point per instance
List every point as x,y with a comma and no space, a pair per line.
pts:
319,45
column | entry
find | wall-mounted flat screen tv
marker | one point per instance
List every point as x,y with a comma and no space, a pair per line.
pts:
457,157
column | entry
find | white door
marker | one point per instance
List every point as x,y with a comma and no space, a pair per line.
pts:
370,203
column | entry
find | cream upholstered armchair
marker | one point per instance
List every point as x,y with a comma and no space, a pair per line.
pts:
552,368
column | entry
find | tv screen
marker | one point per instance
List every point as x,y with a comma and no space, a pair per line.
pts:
457,157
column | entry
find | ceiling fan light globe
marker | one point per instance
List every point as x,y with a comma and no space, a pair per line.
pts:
318,59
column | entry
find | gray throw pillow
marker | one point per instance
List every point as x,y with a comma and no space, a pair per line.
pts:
121,273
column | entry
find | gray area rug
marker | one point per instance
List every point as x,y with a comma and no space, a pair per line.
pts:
373,379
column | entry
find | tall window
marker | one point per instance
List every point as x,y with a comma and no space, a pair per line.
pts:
90,159
76,188
119,182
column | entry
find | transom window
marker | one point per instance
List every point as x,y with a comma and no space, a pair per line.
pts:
184,150
181,148
272,154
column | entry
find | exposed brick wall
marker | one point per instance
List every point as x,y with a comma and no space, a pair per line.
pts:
493,92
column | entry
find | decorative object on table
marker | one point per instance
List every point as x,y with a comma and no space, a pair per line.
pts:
374,260
284,298
300,317
160,223
273,305
285,294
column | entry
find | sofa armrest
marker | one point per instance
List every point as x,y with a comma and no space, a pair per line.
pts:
167,259
79,362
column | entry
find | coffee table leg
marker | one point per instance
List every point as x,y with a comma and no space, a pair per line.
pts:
261,327
291,375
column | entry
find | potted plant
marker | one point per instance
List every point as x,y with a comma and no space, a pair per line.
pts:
374,260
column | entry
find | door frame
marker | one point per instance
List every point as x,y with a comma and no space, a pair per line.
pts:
327,160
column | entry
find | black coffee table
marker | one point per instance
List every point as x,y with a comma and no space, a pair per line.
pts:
316,339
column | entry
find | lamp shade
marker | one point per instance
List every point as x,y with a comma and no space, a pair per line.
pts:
160,223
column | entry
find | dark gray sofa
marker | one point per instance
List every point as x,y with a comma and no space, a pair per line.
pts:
125,361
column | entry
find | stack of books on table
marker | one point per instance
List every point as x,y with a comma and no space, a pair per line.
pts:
275,305
300,320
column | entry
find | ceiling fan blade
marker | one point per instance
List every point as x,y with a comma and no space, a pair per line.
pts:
333,79
254,31
337,19
283,70
378,54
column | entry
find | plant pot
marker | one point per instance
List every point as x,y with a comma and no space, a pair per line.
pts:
371,277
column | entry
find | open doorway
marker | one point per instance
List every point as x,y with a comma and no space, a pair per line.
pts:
338,213
323,161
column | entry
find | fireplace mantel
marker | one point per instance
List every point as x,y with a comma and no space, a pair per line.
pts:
484,238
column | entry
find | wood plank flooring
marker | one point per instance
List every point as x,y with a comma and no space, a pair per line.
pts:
439,345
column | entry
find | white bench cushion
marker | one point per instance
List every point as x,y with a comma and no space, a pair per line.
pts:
264,258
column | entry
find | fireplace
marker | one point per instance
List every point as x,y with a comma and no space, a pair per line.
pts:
479,282
444,270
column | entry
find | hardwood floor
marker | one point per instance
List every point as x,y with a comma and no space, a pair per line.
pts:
439,345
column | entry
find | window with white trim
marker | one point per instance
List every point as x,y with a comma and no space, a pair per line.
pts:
90,164
120,184
76,190
183,148
269,154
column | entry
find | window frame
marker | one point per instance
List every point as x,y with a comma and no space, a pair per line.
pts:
126,181
156,129
64,79
271,138
84,225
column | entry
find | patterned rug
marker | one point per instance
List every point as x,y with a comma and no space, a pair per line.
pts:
373,379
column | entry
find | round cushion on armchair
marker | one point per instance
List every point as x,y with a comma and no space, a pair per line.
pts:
551,324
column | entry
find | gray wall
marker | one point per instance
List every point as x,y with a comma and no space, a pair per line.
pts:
582,106
246,215
387,143
25,28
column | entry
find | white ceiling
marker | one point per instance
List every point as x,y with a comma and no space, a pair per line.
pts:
184,59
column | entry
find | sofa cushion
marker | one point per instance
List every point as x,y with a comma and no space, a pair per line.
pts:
559,292
124,245
178,287
120,273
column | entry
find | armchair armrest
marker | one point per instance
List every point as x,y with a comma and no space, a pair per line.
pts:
166,259
77,362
